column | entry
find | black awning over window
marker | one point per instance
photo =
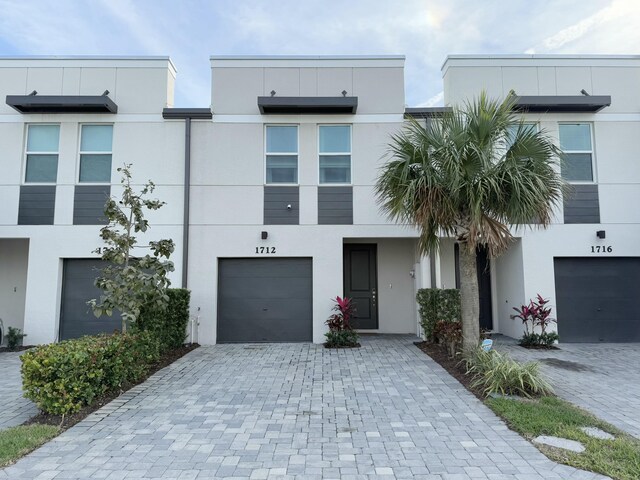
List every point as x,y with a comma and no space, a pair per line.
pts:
62,103
562,103
307,105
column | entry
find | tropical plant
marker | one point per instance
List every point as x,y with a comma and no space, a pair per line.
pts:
470,175
437,304
131,282
536,315
341,333
449,333
497,373
14,337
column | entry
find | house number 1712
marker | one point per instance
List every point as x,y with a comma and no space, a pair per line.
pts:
265,250
601,249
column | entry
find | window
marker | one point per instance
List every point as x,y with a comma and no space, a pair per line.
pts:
335,153
282,154
512,130
575,142
95,153
42,153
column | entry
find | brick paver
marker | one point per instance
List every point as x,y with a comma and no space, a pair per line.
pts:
602,378
14,408
383,411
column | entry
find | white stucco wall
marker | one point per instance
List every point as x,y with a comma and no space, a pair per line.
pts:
14,256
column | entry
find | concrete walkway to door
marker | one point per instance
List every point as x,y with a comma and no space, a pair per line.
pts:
383,411
14,408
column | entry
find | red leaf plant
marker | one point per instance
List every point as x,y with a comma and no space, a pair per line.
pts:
536,314
345,309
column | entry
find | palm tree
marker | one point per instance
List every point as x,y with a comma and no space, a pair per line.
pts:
471,175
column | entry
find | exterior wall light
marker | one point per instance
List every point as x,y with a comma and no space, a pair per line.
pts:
601,234
264,235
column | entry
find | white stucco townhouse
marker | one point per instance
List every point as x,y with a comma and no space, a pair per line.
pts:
270,192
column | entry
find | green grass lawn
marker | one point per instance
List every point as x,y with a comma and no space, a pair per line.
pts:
618,458
18,441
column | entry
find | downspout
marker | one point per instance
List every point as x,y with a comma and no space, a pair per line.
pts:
186,114
187,188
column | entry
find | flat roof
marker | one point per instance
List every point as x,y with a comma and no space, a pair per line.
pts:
88,58
305,57
535,59
307,60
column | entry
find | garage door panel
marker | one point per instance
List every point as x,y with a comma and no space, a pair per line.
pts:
596,299
283,288
76,317
265,300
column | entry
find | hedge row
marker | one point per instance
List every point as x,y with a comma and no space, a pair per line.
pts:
169,326
63,377
437,304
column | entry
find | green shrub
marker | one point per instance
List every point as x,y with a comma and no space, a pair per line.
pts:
449,333
14,338
63,377
437,304
168,325
341,339
545,339
495,372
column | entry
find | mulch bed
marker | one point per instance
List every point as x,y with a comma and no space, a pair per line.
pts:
539,347
70,420
454,366
21,348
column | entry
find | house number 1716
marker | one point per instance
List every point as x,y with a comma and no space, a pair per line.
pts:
601,249
265,250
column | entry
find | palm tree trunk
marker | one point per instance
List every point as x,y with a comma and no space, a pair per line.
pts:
470,303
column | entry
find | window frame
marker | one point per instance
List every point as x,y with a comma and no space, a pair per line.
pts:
81,152
592,152
336,154
283,154
26,153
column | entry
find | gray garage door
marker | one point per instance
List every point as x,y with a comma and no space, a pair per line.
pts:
597,299
264,300
76,317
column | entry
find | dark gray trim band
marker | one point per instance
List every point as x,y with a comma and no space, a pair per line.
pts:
562,103
182,113
307,105
62,103
426,112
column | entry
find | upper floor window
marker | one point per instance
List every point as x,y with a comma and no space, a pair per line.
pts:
282,154
42,153
512,130
575,142
95,153
335,153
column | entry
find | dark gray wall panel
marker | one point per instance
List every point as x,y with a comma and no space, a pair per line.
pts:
596,299
88,204
37,204
335,205
76,317
276,200
265,300
581,204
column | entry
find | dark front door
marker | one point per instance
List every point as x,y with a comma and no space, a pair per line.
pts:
361,282
483,268
265,300
596,299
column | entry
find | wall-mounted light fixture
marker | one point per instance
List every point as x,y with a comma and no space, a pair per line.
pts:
412,273
264,235
601,234
289,207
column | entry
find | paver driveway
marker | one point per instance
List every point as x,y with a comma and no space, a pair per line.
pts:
603,378
14,408
294,411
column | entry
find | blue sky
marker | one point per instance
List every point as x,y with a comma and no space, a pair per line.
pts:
425,31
